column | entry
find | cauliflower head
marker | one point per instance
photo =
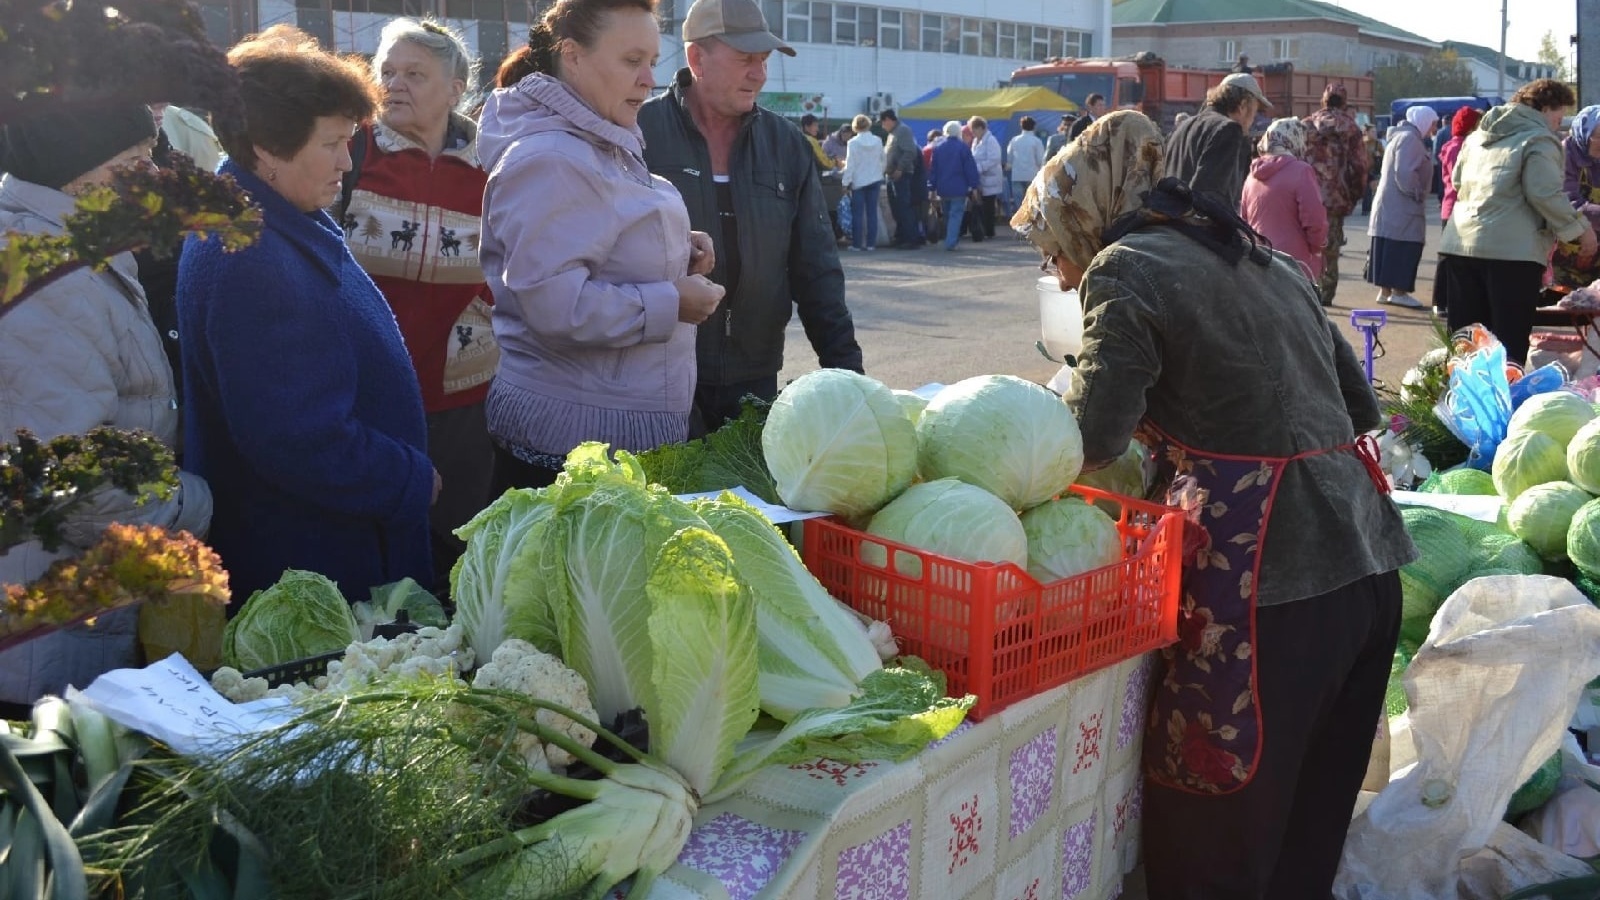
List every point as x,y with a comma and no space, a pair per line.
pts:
517,665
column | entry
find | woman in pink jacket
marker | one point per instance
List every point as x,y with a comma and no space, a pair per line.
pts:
1281,199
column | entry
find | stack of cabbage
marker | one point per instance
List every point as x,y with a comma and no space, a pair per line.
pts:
1548,472
975,474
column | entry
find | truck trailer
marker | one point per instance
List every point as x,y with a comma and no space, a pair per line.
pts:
1145,82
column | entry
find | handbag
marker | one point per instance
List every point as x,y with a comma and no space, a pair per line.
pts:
845,219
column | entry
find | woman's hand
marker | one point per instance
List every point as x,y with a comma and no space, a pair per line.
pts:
697,298
702,253
1588,245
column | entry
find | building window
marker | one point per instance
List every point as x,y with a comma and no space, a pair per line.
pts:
1079,44
1229,51
797,21
889,29
772,9
1007,48
1041,44
821,22
867,25
1024,42
932,33
969,37
1285,48
844,24
952,35
910,30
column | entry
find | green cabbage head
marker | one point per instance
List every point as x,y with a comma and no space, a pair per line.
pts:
1068,537
913,404
954,519
1583,539
1583,457
1011,437
1558,414
839,442
1542,514
302,615
1525,459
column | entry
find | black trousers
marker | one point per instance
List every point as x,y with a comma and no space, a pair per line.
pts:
511,472
1322,666
983,213
1499,293
906,231
461,451
715,404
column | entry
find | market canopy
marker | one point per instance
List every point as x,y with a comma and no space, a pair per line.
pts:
1001,103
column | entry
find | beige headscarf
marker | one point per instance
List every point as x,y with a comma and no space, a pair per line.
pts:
1091,183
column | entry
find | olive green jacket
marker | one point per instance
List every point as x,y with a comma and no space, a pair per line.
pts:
1511,203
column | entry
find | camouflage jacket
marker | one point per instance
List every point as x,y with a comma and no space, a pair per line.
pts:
1333,147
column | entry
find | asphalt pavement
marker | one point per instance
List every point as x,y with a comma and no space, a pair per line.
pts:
929,315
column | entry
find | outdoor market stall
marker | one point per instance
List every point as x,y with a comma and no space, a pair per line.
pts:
942,693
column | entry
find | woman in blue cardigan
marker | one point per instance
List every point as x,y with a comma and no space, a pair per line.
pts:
302,408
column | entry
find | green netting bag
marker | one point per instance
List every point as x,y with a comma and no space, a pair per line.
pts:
1460,481
1452,550
1394,699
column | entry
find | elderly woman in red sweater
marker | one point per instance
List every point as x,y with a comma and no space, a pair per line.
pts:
1282,200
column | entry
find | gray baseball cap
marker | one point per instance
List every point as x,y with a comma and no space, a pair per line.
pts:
1250,86
737,23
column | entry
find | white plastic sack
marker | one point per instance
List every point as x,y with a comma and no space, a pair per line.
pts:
1490,695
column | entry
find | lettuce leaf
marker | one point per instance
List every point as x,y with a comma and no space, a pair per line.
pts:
900,712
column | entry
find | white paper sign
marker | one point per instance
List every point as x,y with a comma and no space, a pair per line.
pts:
173,703
777,515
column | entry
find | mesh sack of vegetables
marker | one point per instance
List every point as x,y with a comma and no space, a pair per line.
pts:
1452,550
1459,481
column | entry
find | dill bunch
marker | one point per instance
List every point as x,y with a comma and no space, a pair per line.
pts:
411,791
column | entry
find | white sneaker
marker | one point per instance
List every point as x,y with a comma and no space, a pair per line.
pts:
1402,300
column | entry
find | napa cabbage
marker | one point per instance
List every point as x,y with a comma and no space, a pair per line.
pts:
1011,437
492,574
812,651
839,442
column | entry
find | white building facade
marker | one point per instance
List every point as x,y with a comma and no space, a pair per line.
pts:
853,57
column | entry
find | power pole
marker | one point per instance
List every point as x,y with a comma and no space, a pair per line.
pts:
1588,41
1500,84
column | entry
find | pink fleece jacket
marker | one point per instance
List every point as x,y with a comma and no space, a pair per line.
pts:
1282,201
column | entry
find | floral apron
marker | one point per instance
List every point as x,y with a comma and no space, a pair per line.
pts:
1204,732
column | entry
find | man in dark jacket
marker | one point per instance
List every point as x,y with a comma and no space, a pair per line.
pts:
901,166
1094,106
1211,150
748,179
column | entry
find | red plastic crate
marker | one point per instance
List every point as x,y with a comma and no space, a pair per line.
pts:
990,627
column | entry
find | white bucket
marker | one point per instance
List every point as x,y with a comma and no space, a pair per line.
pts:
1060,318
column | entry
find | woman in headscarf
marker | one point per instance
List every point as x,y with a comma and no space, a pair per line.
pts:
1462,124
1264,714
1581,149
1510,210
1398,225
1281,198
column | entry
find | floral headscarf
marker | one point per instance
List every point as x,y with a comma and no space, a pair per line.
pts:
1091,183
1583,125
1284,137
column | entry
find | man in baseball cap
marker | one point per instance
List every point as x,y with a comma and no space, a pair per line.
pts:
737,23
1249,85
749,179
1211,150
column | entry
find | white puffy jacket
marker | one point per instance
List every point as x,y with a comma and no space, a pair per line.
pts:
80,353
987,154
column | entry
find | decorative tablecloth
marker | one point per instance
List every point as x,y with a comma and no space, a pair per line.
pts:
1040,800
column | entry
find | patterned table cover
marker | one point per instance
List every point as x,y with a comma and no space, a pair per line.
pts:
1038,801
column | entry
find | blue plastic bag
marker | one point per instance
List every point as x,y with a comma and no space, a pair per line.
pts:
845,217
1477,407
